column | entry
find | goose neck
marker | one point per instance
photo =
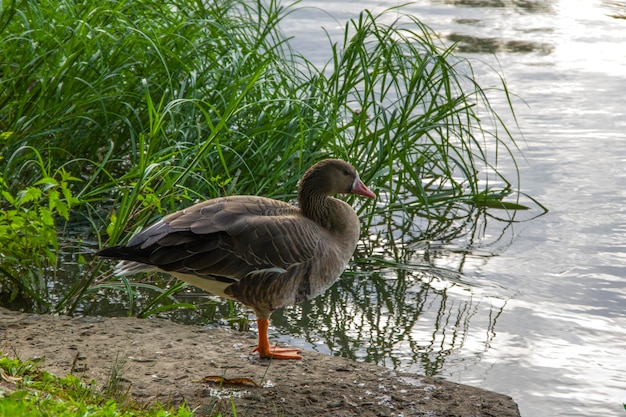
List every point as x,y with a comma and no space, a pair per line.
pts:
315,206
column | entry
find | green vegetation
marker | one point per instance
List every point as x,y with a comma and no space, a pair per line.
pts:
112,113
27,391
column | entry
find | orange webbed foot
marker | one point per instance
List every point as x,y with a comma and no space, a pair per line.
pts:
264,349
278,353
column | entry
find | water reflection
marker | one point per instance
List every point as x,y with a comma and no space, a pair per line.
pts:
474,44
407,301
390,317
504,39
528,6
616,9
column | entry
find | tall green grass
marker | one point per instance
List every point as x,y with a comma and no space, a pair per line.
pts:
149,106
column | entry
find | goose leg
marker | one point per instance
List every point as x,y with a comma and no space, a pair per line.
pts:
264,349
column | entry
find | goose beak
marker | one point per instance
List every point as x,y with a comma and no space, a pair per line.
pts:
359,188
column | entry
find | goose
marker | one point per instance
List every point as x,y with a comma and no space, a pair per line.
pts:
264,253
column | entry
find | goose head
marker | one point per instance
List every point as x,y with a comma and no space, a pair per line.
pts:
325,178
333,176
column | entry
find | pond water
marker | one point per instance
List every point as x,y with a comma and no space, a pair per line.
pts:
540,312
534,309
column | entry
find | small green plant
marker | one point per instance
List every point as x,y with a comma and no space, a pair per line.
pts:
113,387
28,391
28,229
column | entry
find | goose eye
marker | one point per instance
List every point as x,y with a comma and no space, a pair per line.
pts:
345,172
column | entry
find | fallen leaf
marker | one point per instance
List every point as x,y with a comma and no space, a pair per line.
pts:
232,381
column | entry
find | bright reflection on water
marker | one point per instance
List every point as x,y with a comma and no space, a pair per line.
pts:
538,310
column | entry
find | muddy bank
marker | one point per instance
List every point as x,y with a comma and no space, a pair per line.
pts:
159,360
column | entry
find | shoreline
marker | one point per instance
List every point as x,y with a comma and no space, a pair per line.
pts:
159,360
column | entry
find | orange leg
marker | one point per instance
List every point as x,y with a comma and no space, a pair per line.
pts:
264,349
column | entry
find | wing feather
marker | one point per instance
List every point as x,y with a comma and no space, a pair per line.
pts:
230,237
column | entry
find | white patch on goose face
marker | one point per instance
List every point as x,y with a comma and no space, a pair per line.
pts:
356,180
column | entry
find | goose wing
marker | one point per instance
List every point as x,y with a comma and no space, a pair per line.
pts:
228,237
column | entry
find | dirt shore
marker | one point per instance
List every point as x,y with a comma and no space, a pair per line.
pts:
165,361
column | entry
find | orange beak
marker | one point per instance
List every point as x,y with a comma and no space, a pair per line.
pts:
359,188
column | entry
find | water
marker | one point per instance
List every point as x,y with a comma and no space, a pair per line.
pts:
544,320
537,309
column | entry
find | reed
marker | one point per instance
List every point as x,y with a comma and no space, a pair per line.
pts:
150,106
